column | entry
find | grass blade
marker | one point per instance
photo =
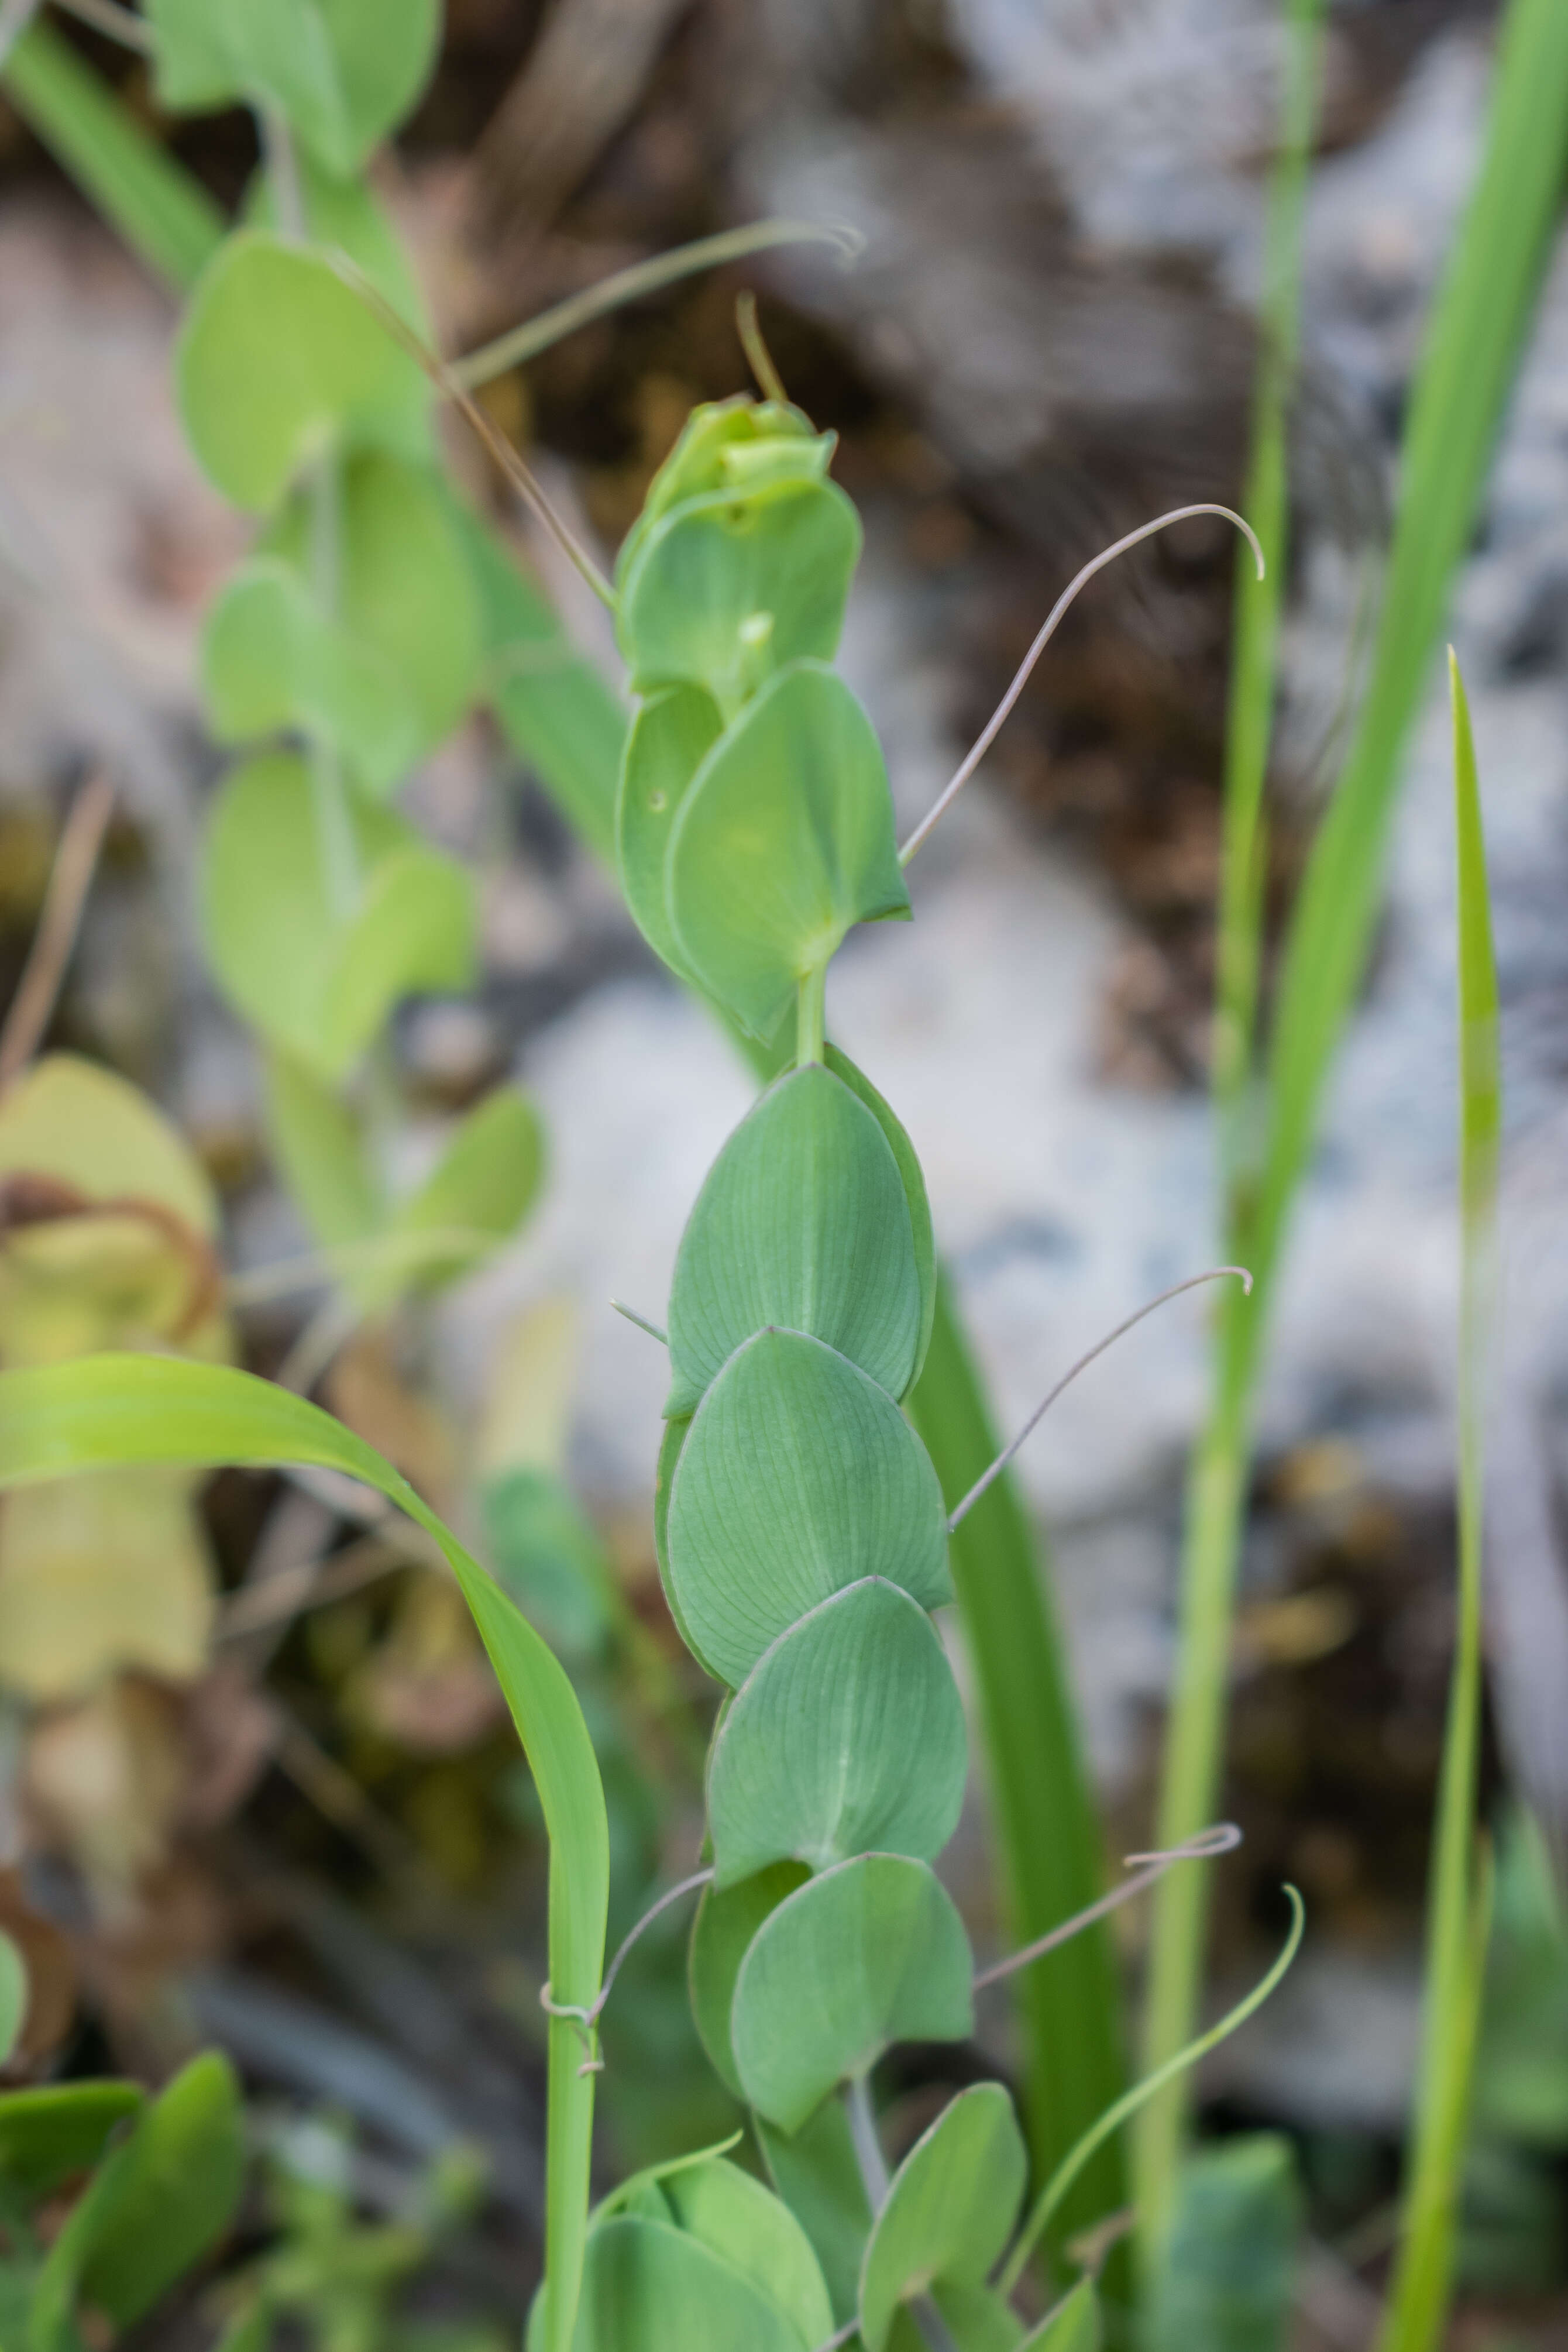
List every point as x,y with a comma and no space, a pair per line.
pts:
1459,1907
165,216
1478,326
97,1411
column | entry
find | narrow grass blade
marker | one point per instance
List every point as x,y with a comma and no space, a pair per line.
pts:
97,1411
1048,1837
1458,1906
163,215
1479,322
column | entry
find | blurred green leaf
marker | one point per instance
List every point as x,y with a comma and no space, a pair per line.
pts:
272,660
800,1475
950,2211
728,586
976,2318
1226,2273
349,216
869,1953
550,1560
342,72
727,1920
319,988
315,1137
177,2186
482,1187
403,588
1521,2064
784,841
193,63
802,1221
847,1737
13,1997
49,2134
277,363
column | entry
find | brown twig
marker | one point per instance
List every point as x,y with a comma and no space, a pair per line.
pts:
76,860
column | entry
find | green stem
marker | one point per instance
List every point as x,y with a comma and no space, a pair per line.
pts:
810,1034
1216,1493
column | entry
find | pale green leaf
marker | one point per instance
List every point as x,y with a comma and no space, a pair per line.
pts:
729,586
403,586
342,72
915,1195
316,1140
727,1920
481,1187
847,1737
802,1222
669,737
648,2287
348,216
870,1953
731,2213
272,660
816,2173
949,2209
13,1997
319,988
194,67
279,363
800,1475
782,844
48,2135
1225,2275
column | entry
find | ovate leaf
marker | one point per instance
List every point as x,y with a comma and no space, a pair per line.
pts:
88,1128
669,737
277,363
479,1192
317,1143
343,73
727,587
915,1195
847,1737
802,1222
783,843
177,2184
950,2211
194,69
314,984
727,1920
731,2213
816,2173
976,2318
870,1953
800,1475
347,214
271,658
1226,2274
649,2287
405,589
48,2135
